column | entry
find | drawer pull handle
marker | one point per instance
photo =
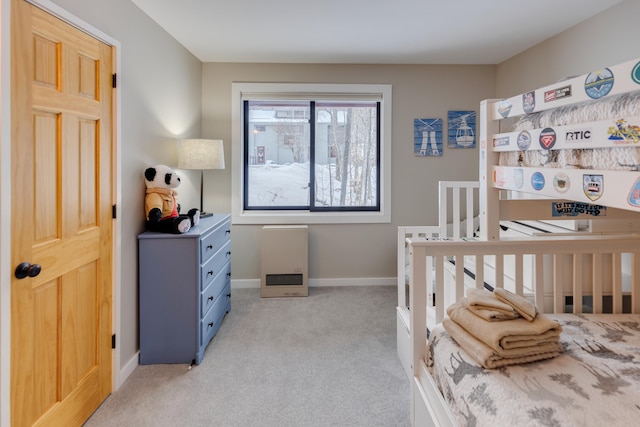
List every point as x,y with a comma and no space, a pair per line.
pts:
209,273
210,325
227,232
210,299
209,247
228,295
228,253
229,274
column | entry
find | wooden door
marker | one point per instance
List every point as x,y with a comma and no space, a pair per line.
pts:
61,220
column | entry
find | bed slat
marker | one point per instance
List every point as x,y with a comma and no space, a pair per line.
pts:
577,283
597,283
617,282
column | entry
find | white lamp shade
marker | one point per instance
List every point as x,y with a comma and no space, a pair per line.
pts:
201,154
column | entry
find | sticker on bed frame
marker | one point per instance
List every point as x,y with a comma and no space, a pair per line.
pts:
547,138
503,141
593,186
561,182
634,194
635,73
529,102
524,140
537,181
504,108
518,178
577,208
623,133
577,135
599,83
559,93
427,137
462,129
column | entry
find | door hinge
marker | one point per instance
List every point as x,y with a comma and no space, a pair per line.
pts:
114,80
113,341
114,212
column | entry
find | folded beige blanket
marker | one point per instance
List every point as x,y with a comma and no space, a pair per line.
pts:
485,304
509,334
519,303
488,358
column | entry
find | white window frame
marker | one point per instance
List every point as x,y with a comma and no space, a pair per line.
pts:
242,91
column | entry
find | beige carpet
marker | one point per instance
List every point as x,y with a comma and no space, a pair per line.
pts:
325,360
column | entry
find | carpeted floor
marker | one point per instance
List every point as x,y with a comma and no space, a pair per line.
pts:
325,360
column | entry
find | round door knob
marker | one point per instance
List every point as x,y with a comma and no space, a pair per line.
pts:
26,269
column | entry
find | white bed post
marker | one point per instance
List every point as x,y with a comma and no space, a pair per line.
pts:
418,323
489,196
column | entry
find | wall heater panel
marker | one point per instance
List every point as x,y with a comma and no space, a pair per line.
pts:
284,261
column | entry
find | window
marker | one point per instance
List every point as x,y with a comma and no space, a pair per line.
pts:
311,153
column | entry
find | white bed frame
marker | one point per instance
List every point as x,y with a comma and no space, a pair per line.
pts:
461,199
430,260
609,254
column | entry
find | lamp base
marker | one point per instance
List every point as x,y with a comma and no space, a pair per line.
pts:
205,214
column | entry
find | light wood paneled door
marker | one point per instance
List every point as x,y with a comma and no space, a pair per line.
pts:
62,142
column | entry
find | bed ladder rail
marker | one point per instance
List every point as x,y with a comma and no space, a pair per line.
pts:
454,191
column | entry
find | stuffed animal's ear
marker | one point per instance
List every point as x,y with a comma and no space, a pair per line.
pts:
150,174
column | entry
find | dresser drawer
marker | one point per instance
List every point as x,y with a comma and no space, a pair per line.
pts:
210,269
215,288
213,241
213,319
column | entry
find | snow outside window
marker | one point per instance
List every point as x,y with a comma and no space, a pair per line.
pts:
311,153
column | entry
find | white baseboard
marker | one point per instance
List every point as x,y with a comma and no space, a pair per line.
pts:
127,369
364,281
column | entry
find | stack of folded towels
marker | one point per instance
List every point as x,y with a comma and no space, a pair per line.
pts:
501,328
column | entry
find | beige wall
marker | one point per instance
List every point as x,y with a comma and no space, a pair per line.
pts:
607,39
355,250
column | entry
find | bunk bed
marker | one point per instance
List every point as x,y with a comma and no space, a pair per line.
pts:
588,283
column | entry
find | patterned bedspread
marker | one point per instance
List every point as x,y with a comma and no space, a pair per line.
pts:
595,382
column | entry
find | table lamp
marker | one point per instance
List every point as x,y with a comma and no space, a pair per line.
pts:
201,154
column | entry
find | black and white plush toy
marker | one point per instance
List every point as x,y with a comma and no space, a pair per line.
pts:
161,207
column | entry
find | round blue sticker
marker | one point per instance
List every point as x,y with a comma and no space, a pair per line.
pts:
524,140
537,181
599,83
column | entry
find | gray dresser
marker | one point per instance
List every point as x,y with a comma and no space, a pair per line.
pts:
185,290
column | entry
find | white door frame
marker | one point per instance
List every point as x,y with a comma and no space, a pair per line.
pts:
5,197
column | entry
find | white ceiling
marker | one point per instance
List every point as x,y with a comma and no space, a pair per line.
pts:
366,31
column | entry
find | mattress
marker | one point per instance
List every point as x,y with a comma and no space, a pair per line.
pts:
595,381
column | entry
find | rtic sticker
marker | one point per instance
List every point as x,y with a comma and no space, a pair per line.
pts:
547,138
634,194
537,181
593,186
599,83
524,140
529,102
581,135
505,108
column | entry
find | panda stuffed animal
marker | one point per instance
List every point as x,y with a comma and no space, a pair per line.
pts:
162,210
